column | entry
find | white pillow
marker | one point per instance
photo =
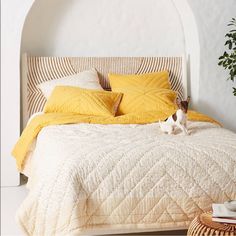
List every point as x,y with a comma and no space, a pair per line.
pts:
86,79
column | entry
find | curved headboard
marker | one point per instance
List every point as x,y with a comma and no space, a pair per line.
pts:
36,70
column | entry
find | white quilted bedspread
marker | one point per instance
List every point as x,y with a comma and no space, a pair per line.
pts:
88,178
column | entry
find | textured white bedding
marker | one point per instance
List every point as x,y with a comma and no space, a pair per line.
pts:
91,178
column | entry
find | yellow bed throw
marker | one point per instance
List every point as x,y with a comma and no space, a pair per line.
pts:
33,128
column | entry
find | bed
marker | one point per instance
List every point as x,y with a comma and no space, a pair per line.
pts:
88,179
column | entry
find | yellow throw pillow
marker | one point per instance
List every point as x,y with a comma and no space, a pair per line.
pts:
141,93
67,99
149,80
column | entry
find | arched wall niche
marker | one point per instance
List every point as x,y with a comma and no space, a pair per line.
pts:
103,28
198,28
15,15
109,28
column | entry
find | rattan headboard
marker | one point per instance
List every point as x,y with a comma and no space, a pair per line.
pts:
35,70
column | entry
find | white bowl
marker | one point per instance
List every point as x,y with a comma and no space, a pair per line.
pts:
230,205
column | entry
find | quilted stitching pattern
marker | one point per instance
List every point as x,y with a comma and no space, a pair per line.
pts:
149,80
126,176
143,92
66,99
37,123
143,100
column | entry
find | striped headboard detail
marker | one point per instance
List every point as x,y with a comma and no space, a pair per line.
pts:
36,70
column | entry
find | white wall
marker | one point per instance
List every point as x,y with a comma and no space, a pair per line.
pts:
215,93
103,28
12,19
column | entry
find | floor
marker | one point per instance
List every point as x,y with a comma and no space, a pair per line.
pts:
11,197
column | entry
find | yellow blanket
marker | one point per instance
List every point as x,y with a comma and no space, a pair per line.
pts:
33,128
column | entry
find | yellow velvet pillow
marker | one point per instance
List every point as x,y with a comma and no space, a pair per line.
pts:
143,92
67,99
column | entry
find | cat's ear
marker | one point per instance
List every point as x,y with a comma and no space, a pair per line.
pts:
188,99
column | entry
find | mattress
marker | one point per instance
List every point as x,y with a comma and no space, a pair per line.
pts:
90,178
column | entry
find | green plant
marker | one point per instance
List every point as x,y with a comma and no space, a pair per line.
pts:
228,59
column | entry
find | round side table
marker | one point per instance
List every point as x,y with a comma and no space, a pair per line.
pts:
203,225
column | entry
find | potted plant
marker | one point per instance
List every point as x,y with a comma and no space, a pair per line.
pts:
228,59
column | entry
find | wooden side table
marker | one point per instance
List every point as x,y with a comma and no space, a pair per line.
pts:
203,225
